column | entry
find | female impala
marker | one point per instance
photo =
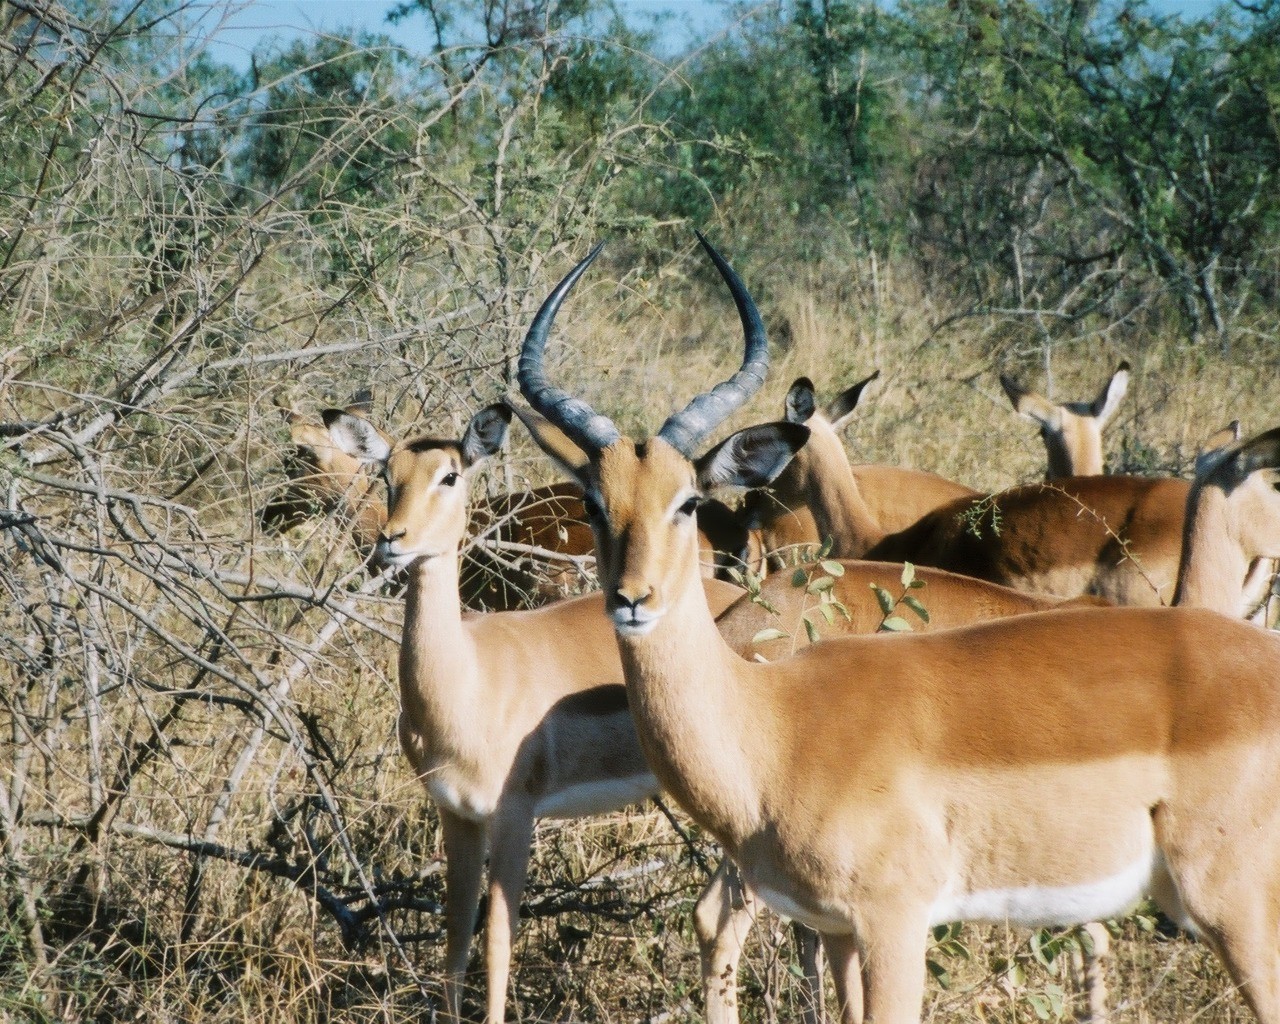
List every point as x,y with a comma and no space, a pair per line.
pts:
1071,431
820,495
1041,769
505,717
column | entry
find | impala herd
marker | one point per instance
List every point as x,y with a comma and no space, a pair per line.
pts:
1028,754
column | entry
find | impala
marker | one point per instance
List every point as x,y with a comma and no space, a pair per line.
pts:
1118,537
725,911
527,547
1071,431
1040,769
324,478
820,495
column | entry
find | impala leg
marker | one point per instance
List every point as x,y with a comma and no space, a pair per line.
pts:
846,973
893,942
810,949
511,833
721,919
464,862
1094,963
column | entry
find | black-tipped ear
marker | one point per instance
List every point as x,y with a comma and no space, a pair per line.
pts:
1013,389
356,436
752,457
1111,395
841,407
1216,449
801,401
485,434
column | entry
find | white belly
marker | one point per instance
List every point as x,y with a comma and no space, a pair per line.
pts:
596,797
1038,906
784,906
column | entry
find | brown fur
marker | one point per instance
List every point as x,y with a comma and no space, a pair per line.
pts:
1116,537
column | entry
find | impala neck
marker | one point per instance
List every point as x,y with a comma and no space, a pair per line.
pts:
1214,564
437,654
690,719
821,477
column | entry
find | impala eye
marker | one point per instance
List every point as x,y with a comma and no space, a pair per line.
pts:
449,479
593,507
690,506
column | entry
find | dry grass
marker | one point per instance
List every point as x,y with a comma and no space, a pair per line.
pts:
204,815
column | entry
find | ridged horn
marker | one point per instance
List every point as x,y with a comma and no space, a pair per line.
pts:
586,427
686,430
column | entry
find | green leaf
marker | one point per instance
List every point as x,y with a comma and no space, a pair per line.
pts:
820,584
769,633
884,597
916,584
1040,1004
800,577
828,613
832,568
812,630
915,605
908,573
896,624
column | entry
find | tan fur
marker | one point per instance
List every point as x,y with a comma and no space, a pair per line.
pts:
1071,431
1116,537
865,778
896,497
502,712
323,478
949,599
1051,767
819,495
1232,527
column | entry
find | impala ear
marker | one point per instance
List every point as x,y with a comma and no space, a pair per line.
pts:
356,436
1028,403
801,401
1260,453
485,434
1216,448
840,409
1109,398
752,457
552,440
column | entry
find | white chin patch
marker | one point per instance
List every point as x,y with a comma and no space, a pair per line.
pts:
633,627
402,560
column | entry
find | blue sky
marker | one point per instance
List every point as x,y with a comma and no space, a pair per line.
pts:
257,20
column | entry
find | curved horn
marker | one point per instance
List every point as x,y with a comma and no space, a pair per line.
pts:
685,430
586,427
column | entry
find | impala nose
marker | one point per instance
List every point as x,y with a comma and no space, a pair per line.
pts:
384,551
630,614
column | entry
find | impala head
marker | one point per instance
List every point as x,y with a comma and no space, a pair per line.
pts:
1243,477
824,448
323,477
641,496
1072,431
427,480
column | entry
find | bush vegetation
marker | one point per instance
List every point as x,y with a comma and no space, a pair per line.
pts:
203,811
